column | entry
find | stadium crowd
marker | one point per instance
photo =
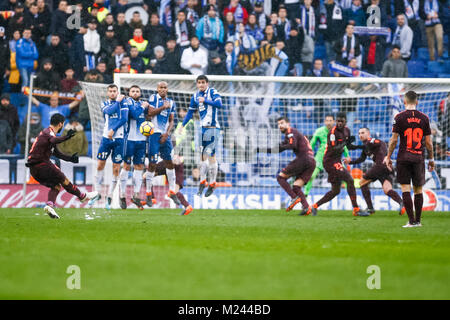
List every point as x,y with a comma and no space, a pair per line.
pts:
67,41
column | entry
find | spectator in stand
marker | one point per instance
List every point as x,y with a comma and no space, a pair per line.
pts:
17,21
245,42
14,74
253,29
38,25
8,5
78,143
347,47
395,67
332,25
116,60
159,63
57,52
5,57
83,110
239,12
69,82
374,53
229,25
411,9
6,138
35,129
403,37
155,32
283,24
108,43
59,21
103,71
44,12
318,69
269,35
194,59
280,63
15,38
210,29
217,63
136,61
433,27
182,30
8,112
261,17
121,7
47,78
191,12
307,55
292,8
46,111
125,66
308,18
142,44
294,46
136,21
91,45
102,10
173,57
77,55
106,24
26,56
230,57
355,14
122,30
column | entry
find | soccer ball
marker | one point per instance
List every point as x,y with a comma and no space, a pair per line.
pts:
147,128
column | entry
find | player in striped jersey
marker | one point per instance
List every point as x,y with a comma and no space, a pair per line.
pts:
208,102
135,147
116,118
161,112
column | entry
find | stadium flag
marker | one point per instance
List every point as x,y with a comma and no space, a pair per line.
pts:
349,71
165,14
373,31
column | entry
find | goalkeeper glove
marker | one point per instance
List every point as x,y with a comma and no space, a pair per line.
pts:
74,158
71,133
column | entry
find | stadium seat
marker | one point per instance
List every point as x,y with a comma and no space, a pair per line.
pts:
320,52
435,67
423,54
443,75
416,68
88,136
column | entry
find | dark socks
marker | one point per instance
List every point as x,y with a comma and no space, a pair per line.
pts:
394,196
286,186
298,191
335,189
366,194
52,194
418,203
407,202
352,193
70,188
182,199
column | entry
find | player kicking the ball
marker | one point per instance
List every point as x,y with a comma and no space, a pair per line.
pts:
208,102
413,127
136,145
161,112
116,118
338,139
45,172
377,150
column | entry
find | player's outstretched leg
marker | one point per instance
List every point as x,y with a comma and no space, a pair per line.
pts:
212,170
387,188
203,172
187,207
330,195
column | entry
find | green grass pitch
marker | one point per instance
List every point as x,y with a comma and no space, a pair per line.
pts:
214,254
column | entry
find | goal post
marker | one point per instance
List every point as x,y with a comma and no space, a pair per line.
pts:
251,106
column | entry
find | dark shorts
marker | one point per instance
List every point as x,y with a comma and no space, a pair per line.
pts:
300,168
155,148
411,171
379,172
47,174
179,172
337,172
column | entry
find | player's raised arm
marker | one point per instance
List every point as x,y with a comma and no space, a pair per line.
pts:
361,159
122,120
192,107
110,107
71,158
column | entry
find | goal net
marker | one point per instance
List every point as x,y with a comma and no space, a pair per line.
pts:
248,119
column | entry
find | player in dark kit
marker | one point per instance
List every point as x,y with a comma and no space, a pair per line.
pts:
338,138
413,128
160,170
302,167
377,150
45,172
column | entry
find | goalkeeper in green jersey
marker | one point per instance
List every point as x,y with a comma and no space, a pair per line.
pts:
321,135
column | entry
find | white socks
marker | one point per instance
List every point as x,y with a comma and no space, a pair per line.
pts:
213,167
203,170
123,182
112,186
171,179
99,180
137,179
149,180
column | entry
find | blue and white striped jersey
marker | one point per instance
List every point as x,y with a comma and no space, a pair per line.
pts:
116,118
208,110
136,117
161,121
